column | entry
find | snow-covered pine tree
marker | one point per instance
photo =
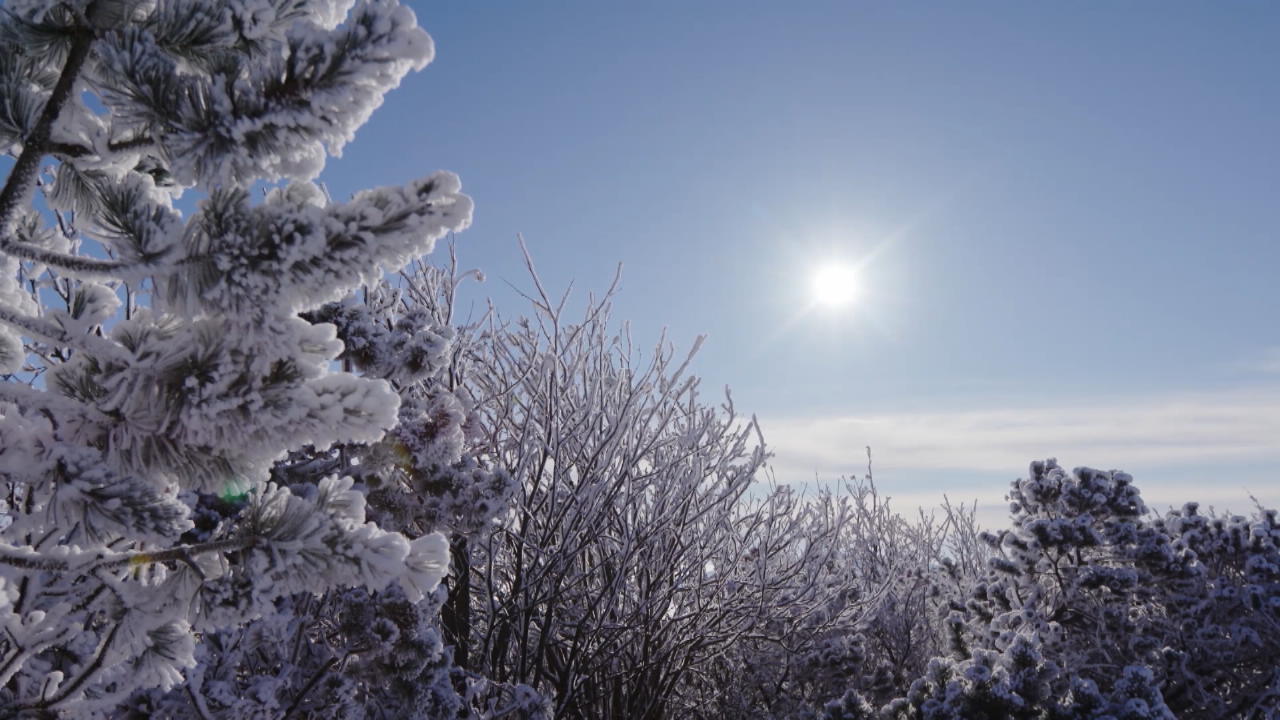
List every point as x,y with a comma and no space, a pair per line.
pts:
1094,609
355,653
115,418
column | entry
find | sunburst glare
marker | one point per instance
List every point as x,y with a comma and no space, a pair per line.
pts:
835,284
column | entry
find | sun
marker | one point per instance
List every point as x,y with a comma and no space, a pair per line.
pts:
835,284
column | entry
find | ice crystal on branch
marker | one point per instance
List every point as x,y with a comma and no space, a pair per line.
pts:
154,359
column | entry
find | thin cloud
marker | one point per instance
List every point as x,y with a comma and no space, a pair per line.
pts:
1179,436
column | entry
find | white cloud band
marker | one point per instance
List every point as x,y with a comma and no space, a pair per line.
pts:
1170,442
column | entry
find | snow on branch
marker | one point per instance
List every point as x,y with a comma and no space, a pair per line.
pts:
159,383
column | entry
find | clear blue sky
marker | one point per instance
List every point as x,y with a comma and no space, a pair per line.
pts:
1071,213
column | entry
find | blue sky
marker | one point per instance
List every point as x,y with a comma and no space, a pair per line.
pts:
1067,215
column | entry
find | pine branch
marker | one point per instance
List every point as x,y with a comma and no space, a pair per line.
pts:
74,150
88,672
14,557
75,265
18,188
25,396
52,333
71,150
302,694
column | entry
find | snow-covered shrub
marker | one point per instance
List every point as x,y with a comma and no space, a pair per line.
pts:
158,368
636,553
1110,594
1220,637
1092,608
1019,683
885,580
